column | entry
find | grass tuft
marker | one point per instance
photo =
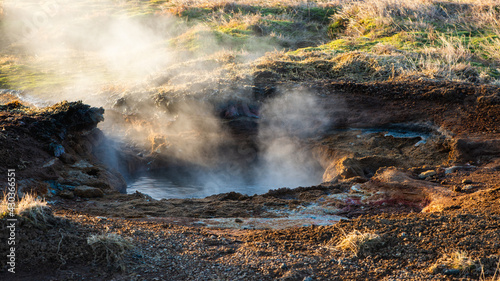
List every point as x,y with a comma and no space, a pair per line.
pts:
110,248
359,243
30,207
458,260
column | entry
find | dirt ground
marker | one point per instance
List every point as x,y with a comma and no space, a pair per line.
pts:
425,202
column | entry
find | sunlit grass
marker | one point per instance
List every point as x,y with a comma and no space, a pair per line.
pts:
30,207
377,40
358,243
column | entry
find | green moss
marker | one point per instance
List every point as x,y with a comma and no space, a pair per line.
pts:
196,13
237,31
337,27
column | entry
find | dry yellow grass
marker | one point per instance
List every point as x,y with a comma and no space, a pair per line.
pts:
110,248
359,243
458,260
30,207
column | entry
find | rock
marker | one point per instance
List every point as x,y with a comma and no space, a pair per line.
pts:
95,177
344,168
49,163
468,187
352,167
67,158
451,272
34,186
457,188
427,174
82,164
56,149
357,188
466,181
453,169
88,192
355,180
465,150
67,194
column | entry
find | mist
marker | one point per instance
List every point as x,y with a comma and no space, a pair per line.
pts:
289,121
86,45
283,155
96,52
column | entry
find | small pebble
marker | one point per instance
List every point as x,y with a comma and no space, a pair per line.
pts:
466,181
468,187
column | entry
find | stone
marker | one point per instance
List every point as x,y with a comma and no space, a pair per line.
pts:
468,187
56,149
67,194
451,272
67,158
82,164
353,167
357,188
427,174
466,181
88,192
451,170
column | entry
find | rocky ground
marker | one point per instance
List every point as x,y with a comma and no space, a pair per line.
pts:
428,198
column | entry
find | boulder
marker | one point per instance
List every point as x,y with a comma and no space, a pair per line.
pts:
427,174
88,192
351,167
67,194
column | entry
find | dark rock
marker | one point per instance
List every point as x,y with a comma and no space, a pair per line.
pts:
88,192
56,149
464,150
451,272
67,158
66,194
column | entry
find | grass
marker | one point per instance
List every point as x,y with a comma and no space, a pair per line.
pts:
457,260
380,40
496,275
29,207
359,243
110,248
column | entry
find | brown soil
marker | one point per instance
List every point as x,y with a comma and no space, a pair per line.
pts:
420,218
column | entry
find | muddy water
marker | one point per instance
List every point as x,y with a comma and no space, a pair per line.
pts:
168,186
160,187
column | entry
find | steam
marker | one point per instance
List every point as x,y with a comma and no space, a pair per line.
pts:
108,58
290,120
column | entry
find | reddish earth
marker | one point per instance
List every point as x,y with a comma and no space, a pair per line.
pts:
425,201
